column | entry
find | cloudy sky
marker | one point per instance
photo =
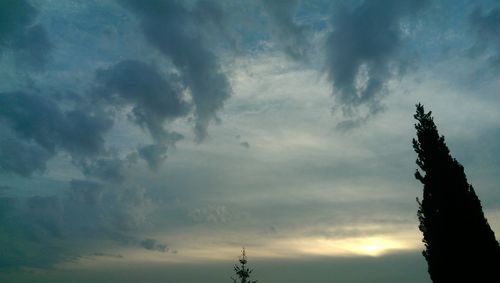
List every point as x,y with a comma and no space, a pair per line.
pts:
149,141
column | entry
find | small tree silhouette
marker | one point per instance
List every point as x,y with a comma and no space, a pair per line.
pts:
459,243
242,271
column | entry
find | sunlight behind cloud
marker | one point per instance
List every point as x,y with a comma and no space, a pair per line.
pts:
358,246
375,246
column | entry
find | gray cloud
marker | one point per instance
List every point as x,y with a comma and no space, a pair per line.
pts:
39,119
210,214
363,51
108,169
21,157
154,100
179,34
99,254
25,234
87,192
41,128
487,26
290,36
153,245
42,225
153,154
106,210
21,33
5,188
245,144
45,216
215,20
37,127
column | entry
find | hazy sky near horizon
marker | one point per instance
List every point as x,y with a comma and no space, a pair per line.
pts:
154,139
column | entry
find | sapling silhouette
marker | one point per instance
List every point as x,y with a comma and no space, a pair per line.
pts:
242,271
459,243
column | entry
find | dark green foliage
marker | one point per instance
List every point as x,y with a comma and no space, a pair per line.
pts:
459,243
242,271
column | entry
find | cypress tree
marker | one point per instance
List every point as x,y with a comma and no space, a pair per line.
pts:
242,271
459,243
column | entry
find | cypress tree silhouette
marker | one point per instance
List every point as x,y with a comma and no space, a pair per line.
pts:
242,271
459,243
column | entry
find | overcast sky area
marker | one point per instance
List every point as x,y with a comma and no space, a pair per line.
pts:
149,141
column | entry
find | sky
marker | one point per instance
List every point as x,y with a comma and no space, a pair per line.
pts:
149,141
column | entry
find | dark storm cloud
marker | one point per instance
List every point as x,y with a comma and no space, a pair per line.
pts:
290,36
20,32
487,26
363,51
179,34
41,128
154,100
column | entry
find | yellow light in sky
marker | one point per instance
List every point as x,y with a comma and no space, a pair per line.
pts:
361,246
373,246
